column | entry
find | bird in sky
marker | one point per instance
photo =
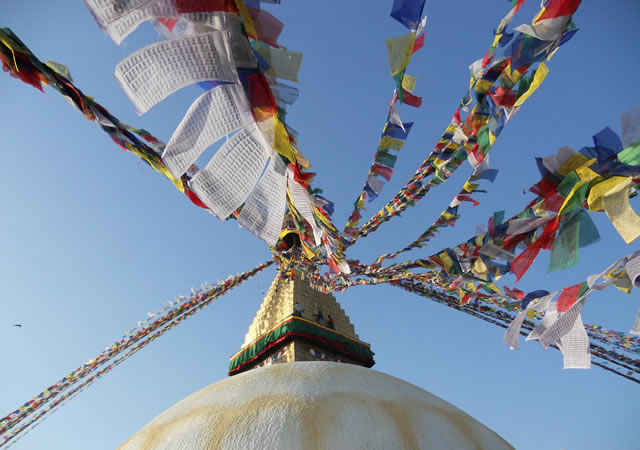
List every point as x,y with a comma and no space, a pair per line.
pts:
19,325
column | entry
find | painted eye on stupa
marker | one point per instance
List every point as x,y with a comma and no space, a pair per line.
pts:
277,356
317,354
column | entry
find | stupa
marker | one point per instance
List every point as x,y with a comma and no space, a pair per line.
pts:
301,380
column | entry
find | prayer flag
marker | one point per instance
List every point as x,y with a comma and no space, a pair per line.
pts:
396,131
399,52
408,12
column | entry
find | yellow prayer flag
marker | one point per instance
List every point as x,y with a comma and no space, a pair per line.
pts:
389,142
281,142
399,52
585,173
598,191
622,216
276,134
576,161
409,82
492,138
538,78
447,216
621,280
494,288
496,40
470,187
446,262
246,18
483,86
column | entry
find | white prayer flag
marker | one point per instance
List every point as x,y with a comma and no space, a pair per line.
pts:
226,182
302,203
263,212
154,72
212,116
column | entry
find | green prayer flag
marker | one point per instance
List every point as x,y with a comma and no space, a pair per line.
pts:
578,230
630,155
385,158
483,137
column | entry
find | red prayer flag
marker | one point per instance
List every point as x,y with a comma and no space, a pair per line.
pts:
263,106
168,22
558,8
418,43
409,99
194,198
515,293
384,172
524,260
192,6
568,297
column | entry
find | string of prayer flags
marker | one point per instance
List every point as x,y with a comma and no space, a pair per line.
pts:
223,57
473,137
573,183
578,351
20,62
395,131
14,423
258,175
532,229
562,324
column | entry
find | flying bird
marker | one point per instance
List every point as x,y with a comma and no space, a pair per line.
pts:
19,325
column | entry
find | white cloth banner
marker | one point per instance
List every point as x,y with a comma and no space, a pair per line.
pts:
212,116
154,72
550,317
512,335
263,212
546,29
574,343
228,179
302,203
494,252
119,18
563,324
519,226
575,347
192,24
108,11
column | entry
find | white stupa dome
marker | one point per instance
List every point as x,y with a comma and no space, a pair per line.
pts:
316,405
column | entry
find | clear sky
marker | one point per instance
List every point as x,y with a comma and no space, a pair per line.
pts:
92,239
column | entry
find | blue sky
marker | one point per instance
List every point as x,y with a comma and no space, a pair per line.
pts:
92,239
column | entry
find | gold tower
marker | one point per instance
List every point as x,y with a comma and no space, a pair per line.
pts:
293,324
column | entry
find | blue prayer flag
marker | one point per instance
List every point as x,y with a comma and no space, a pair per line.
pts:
394,131
408,12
